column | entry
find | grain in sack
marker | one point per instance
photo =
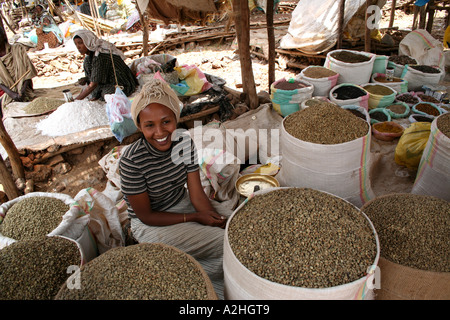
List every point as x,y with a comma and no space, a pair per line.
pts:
433,174
327,148
322,78
356,69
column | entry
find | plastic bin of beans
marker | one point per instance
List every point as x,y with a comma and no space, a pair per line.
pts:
380,95
398,110
427,108
415,117
387,131
379,115
408,97
427,98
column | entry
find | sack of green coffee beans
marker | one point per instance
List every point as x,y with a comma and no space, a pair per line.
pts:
144,271
327,148
36,269
414,234
305,244
433,174
38,214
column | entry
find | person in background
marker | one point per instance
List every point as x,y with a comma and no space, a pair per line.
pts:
16,69
48,32
163,190
85,8
104,67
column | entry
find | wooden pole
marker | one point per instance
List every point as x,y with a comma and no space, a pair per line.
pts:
271,40
430,9
13,153
145,34
7,181
340,24
367,41
422,17
391,21
242,22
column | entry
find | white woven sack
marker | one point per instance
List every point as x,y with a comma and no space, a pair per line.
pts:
416,78
322,86
341,169
242,284
433,174
73,225
356,73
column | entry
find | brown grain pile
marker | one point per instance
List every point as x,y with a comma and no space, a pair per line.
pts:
326,123
302,237
414,230
143,271
36,269
443,124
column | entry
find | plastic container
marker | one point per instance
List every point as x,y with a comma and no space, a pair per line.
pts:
322,86
434,108
406,94
362,101
364,113
415,117
379,110
380,64
399,85
394,130
287,95
395,115
379,100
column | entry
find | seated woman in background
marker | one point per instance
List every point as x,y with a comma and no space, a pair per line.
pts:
16,72
104,67
48,32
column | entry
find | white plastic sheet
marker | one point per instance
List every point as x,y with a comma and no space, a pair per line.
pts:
314,24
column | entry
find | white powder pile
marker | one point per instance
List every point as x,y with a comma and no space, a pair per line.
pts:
73,117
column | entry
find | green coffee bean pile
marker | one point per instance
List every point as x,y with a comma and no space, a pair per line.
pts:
414,230
326,123
36,269
142,271
42,105
33,217
443,124
302,238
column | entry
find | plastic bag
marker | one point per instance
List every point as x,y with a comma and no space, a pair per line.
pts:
118,109
411,144
193,81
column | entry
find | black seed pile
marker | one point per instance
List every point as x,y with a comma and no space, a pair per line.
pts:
36,269
33,217
414,230
348,92
349,57
326,123
302,237
402,59
140,272
426,69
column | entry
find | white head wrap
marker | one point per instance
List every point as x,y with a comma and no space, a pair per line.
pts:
156,91
97,45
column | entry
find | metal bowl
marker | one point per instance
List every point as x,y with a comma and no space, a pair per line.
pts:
249,183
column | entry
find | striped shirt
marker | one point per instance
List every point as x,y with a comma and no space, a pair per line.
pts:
162,175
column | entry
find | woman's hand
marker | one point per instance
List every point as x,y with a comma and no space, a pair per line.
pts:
209,218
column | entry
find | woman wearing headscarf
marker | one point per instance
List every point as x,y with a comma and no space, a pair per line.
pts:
16,72
161,184
48,32
104,67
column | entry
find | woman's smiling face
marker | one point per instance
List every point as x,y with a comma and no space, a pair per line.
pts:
157,123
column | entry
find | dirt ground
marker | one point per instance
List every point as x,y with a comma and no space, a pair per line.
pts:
81,169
